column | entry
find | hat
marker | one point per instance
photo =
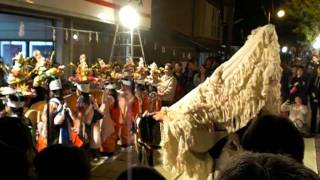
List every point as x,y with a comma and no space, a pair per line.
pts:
126,82
15,101
84,87
15,97
7,91
110,86
55,85
140,82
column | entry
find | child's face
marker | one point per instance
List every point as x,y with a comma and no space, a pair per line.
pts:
297,100
299,72
107,91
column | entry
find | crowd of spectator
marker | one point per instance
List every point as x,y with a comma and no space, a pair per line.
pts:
300,93
270,147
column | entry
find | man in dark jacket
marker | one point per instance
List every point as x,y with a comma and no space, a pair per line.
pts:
299,86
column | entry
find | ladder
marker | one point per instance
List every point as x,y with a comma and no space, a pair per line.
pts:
124,46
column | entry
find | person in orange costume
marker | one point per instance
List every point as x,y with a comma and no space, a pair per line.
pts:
110,123
129,106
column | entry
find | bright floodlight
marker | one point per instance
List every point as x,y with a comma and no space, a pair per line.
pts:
129,17
316,43
281,13
75,36
284,49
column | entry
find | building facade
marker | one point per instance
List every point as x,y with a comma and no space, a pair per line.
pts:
179,29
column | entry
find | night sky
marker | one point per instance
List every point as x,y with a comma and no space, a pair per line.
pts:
250,14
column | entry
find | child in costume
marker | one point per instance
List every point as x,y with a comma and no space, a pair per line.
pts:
142,95
129,106
87,116
15,102
55,125
110,123
87,120
154,101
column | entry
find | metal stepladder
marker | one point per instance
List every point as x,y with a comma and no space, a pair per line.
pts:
125,44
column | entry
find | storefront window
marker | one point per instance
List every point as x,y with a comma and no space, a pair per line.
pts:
44,47
10,48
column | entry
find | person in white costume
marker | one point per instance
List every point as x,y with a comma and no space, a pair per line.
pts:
239,89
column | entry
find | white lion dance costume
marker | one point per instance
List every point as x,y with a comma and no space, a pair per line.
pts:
235,93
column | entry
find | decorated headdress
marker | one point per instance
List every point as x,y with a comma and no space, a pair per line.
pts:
102,70
154,76
55,84
110,85
15,97
84,74
47,75
127,82
129,66
15,101
140,70
18,73
154,68
19,78
116,72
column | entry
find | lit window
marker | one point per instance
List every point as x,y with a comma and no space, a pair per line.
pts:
44,47
10,48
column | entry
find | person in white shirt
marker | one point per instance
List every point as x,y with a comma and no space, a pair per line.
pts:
297,114
167,86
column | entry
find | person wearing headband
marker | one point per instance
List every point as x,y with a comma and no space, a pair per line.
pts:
110,123
154,100
142,95
15,102
129,106
56,125
87,120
